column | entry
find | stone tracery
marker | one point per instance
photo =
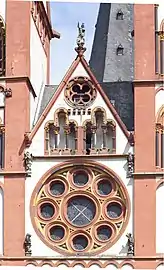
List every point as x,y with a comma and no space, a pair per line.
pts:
80,209
99,133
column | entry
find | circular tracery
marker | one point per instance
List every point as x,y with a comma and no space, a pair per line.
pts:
89,217
80,92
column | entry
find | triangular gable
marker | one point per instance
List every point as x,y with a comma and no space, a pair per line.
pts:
80,59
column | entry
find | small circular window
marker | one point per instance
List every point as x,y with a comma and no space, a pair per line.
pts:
80,92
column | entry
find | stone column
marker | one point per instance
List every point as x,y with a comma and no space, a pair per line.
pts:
104,130
67,131
162,53
46,147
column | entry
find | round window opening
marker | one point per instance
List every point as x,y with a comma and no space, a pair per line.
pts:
57,188
47,210
57,233
81,209
80,179
80,92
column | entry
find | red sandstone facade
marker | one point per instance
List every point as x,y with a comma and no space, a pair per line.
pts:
19,135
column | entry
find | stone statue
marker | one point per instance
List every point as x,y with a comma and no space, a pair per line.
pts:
81,35
130,244
27,245
130,160
28,162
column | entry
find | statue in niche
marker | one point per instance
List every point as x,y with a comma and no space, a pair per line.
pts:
27,245
130,160
28,158
81,35
130,244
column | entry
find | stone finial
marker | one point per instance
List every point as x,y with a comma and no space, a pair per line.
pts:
80,39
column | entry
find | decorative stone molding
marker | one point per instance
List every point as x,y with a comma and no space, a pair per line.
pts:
28,158
7,91
130,244
86,189
28,245
130,160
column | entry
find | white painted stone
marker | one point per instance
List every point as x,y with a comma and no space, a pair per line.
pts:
2,99
38,69
3,9
78,266
160,267
1,116
127,267
79,71
37,147
159,219
111,267
160,13
94,267
159,101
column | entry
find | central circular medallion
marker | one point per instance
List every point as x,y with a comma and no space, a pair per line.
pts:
80,210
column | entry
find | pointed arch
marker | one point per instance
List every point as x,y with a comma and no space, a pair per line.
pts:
160,116
93,114
162,26
60,135
2,47
160,138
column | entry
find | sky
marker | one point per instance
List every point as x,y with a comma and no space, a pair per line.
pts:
64,19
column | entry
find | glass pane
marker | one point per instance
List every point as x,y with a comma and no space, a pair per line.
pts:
114,210
80,178
104,232
57,233
57,188
104,187
80,242
81,210
47,210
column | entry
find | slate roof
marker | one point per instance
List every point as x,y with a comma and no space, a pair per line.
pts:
122,95
49,91
120,92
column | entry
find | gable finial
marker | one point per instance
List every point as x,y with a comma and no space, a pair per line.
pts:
80,39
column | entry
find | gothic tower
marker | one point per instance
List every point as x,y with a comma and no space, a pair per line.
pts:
112,56
26,31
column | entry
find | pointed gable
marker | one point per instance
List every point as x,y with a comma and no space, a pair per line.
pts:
81,68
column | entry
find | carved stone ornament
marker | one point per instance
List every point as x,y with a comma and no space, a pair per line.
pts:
27,245
27,139
130,244
28,158
130,160
81,36
8,92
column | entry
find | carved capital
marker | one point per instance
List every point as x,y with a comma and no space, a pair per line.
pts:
66,129
8,92
2,129
56,130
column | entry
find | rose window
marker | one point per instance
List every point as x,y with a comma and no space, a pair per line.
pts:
80,209
80,92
